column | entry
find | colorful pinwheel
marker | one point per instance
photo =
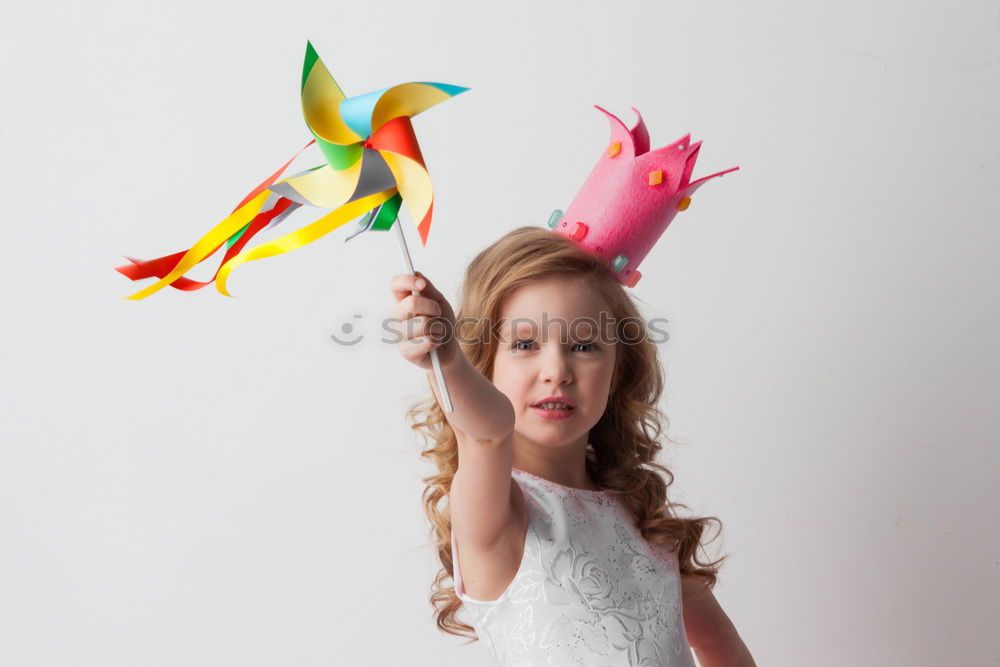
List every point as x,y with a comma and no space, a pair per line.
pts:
373,164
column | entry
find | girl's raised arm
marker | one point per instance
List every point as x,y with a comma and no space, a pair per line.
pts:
481,412
482,418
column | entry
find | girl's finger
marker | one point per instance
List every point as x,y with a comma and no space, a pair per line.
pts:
404,284
418,349
433,293
417,329
411,306
428,288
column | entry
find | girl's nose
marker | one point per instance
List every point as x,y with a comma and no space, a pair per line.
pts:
556,367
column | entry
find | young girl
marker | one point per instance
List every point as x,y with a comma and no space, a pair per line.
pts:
557,531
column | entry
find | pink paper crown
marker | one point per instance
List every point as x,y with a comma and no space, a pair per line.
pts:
631,197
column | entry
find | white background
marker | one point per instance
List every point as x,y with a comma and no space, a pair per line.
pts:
198,480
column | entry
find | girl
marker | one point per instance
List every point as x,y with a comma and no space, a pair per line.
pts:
557,532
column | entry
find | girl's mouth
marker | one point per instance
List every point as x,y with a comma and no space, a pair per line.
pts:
554,411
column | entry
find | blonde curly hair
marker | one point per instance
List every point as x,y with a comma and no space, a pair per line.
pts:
624,443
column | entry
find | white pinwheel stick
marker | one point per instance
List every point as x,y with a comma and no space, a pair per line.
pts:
442,385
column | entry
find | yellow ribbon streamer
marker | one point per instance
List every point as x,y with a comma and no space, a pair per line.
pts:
208,243
301,237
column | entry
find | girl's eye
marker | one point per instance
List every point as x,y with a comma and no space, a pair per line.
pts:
588,347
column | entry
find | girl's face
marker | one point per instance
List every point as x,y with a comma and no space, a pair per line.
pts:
556,339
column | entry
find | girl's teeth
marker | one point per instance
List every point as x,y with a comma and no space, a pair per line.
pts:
554,406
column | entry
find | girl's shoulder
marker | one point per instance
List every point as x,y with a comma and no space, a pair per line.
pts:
539,487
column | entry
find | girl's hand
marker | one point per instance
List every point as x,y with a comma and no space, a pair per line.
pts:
424,321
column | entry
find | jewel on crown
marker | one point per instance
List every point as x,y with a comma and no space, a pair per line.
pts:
631,197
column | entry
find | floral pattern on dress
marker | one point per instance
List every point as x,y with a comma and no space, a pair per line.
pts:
590,591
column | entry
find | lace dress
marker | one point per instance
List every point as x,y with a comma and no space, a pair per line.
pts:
589,591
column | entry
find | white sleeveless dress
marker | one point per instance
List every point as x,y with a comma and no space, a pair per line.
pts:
589,591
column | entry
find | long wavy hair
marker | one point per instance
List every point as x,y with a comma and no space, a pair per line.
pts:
624,444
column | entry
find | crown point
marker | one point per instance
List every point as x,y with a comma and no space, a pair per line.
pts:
619,263
578,232
614,149
683,204
555,218
655,177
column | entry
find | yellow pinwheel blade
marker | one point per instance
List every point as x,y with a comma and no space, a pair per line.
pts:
321,97
326,187
406,99
413,182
